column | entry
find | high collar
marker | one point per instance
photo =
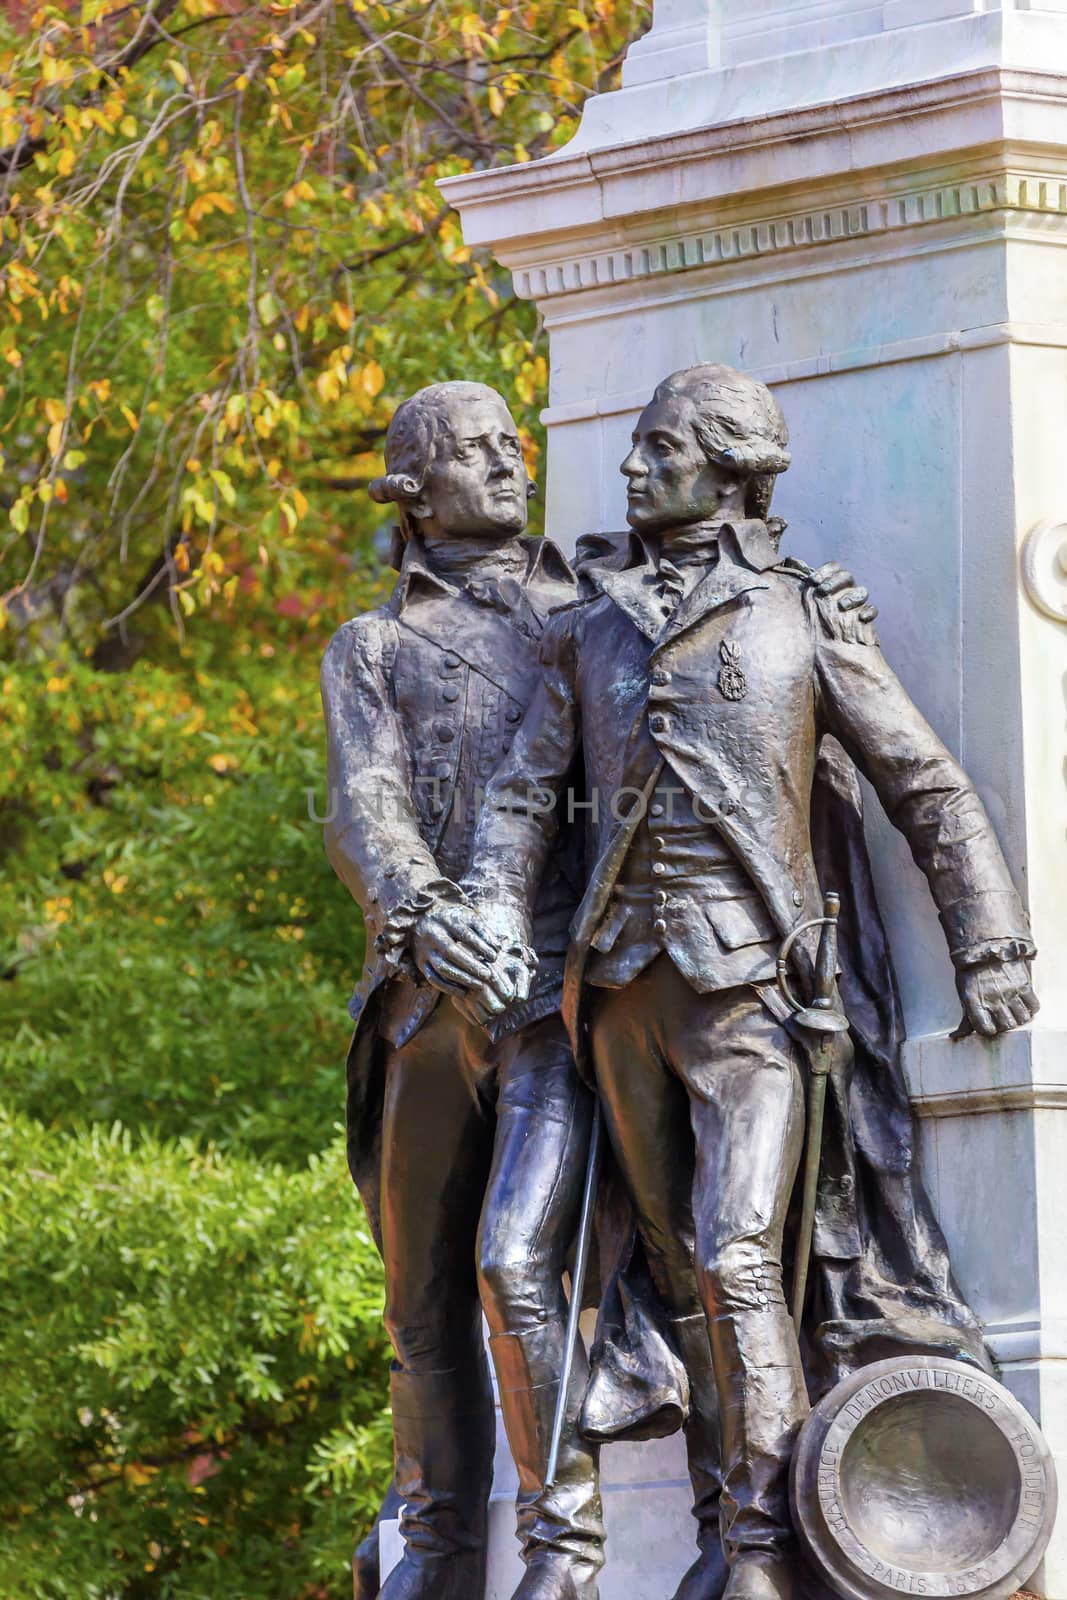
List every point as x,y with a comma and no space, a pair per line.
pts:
525,559
461,560
744,550
747,541
695,545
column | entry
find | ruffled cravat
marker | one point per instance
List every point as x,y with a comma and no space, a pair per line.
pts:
466,561
492,576
684,558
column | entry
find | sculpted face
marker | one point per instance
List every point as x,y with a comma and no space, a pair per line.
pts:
672,484
477,484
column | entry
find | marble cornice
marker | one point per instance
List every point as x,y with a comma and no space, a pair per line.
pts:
1007,195
663,192
992,84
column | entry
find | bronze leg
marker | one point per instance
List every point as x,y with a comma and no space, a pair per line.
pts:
437,1145
528,1222
743,1073
647,1116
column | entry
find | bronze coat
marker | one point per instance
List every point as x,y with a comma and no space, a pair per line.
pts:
421,698
812,677
611,670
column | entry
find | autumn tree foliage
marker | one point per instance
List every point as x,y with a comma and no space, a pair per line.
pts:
223,260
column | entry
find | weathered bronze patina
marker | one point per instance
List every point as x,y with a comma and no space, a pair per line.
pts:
685,700
696,679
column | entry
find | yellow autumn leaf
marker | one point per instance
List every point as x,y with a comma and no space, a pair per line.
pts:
372,379
496,100
130,417
328,386
180,74
473,31
300,502
342,315
65,164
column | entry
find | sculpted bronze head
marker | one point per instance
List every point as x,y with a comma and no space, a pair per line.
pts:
712,442
454,465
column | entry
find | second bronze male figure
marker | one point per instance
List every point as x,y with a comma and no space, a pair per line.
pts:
468,1149
698,681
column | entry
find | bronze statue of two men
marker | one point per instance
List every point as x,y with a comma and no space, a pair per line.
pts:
582,806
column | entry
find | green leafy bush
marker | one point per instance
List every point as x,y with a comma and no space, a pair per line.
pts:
192,1384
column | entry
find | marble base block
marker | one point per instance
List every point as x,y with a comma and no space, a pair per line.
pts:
647,1513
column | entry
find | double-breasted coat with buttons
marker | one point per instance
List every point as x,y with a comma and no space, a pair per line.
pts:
422,698
737,691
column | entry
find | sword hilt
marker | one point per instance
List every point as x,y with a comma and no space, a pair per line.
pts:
821,1016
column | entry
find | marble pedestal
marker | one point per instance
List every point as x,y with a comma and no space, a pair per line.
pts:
866,206
647,1501
646,1511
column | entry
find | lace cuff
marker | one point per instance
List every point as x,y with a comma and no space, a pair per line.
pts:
1016,947
393,940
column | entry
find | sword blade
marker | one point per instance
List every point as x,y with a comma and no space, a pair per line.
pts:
578,1276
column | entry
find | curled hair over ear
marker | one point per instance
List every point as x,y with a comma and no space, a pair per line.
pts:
395,488
738,424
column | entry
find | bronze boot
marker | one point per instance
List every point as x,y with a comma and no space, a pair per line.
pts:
366,1563
763,1400
445,1435
763,1575
561,1528
706,1578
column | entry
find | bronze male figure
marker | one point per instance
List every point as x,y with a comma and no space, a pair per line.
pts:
698,681
468,1149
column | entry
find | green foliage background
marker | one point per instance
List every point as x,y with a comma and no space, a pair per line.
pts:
223,259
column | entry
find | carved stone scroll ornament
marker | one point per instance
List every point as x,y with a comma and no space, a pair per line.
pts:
1044,567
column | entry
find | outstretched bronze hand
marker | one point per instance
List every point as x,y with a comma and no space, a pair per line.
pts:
997,996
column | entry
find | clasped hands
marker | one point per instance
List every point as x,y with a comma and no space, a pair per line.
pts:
478,956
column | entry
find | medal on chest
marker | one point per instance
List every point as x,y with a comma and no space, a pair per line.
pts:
733,685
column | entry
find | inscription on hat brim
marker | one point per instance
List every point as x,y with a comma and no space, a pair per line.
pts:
923,1476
